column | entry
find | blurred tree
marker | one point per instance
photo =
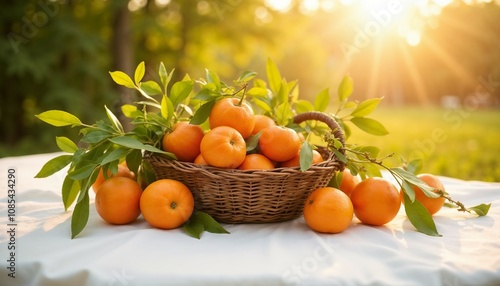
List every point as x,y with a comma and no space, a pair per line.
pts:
122,54
53,56
56,54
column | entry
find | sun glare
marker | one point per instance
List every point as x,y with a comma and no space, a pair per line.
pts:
279,5
400,19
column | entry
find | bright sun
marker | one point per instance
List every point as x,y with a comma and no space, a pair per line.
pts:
389,28
398,18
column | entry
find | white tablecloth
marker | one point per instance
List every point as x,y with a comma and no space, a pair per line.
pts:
287,253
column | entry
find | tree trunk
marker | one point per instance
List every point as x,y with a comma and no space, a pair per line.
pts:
122,56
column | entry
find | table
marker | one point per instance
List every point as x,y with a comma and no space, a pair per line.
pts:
286,253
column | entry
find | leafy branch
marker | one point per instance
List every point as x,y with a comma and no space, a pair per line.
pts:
418,215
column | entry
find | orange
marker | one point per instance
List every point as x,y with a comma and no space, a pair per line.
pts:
167,204
279,143
262,122
349,182
183,141
233,113
295,161
433,205
256,162
223,147
328,210
376,201
117,200
200,161
123,171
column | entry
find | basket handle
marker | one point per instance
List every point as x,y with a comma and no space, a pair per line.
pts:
325,118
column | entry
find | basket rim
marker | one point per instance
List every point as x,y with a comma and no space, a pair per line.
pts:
331,162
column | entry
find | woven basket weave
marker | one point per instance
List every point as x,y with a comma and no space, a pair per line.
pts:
252,196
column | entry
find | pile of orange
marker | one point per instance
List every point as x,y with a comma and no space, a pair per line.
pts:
165,203
168,204
231,122
374,201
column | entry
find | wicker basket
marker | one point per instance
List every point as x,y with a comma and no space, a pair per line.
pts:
252,196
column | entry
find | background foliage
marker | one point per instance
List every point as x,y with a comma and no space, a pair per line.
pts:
56,54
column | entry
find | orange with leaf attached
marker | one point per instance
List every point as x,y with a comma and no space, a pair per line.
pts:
433,205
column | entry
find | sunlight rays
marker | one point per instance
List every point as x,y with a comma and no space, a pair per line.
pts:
452,64
414,74
373,81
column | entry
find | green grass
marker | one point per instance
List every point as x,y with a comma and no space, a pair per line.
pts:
463,144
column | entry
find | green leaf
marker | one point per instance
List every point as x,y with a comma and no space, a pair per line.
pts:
283,114
340,156
282,95
139,73
370,126
122,78
372,170
322,100
87,183
206,94
180,91
104,126
199,222
419,217
134,160
408,189
336,180
303,106
481,209
95,136
129,110
265,105
59,118
80,216
371,150
213,78
306,156
84,172
414,180
70,189
345,128
54,165
246,76
210,224
153,104
151,87
136,144
145,95
273,76
167,108
162,72
194,228
114,155
257,91
253,141
66,145
414,166
366,107
201,115
346,88
114,120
